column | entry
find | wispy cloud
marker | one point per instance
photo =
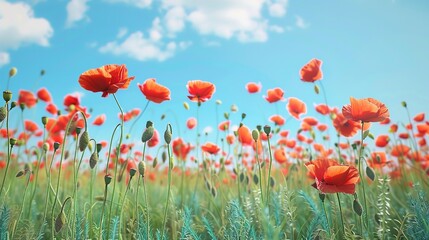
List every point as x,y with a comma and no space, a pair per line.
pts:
76,11
18,23
4,58
300,23
136,3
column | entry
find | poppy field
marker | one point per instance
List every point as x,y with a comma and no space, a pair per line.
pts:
331,178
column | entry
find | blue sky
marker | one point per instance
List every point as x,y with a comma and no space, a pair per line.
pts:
369,48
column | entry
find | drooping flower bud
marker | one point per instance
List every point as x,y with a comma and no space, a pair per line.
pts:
3,113
45,147
316,89
12,72
12,142
83,141
147,134
60,221
167,134
142,168
255,135
93,160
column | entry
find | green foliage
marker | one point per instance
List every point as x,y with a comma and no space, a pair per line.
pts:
418,226
4,222
187,232
239,226
209,228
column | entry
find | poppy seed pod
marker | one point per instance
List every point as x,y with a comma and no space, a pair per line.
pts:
99,147
267,130
147,134
404,104
3,113
78,130
142,168
7,95
13,71
12,142
83,141
132,172
93,160
243,116
149,124
45,147
255,135
12,105
44,121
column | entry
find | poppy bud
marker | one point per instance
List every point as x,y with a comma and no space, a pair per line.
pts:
56,145
316,89
42,72
226,115
20,173
3,113
218,102
255,179
404,104
99,146
214,192
272,182
255,135
127,136
147,134
370,173
107,179
322,197
93,160
132,172
78,130
7,95
90,146
234,108
22,106
12,142
155,162
164,156
357,207
60,221
12,105
186,105
45,147
44,121
267,130
83,141
243,116
162,116
12,72
167,134
142,168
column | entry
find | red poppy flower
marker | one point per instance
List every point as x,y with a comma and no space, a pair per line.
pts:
322,127
27,98
291,143
153,91
382,141
322,109
210,148
223,126
106,79
253,87
244,136
296,107
277,120
345,127
30,126
274,95
331,177
385,121
404,135
365,110
230,139
200,91
280,155
310,121
419,117
52,109
44,95
180,149
311,72
378,160
99,120
393,128
191,123
400,150
154,140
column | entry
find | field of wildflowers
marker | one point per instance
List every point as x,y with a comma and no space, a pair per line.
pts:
254,182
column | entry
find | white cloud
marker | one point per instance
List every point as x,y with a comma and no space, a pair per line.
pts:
277,29
207,130
175,20
4,58
122,32
136,3
277,8
18,23
76,10
300,23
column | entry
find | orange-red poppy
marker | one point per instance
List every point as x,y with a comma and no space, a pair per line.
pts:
365,110
200,91
106,79
280,155
322,127
99,120
210,148
244,136
393,128
27,98
277,120
154,91
322,109
296,107
382,141
385,121
419,117
191,123
44,95
52,109
345,127
30,126
274,95
404,135
400,150
154,140
253,87
180,148
310,121
331,177
311,72
223,126
377,160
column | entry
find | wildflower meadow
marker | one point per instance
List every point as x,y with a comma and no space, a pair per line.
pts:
330,178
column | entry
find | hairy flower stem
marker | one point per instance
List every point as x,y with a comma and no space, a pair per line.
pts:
362,180
341,214
138,186
269,172
260,170
170,167
22,205
147,210
48,183
9,147
118,152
